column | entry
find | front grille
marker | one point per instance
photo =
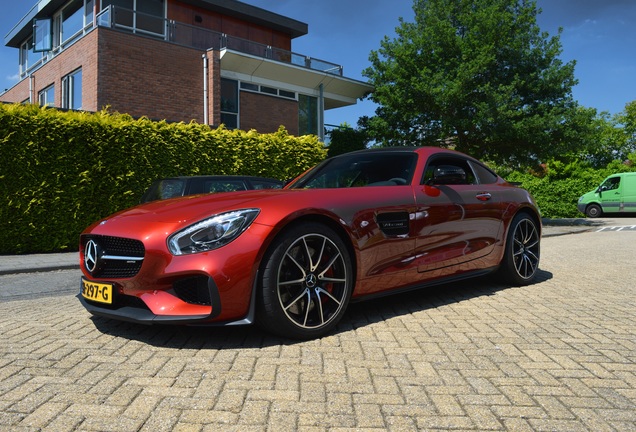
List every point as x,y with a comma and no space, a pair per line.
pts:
193,290
117,257
119,245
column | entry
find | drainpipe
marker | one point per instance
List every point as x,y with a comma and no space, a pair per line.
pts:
31,89
321,114
205,89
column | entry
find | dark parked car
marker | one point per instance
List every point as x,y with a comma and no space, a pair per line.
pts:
357,226
179,186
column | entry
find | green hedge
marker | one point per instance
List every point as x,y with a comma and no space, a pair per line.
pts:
60,171
557,191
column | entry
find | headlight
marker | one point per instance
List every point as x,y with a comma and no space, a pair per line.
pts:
211,233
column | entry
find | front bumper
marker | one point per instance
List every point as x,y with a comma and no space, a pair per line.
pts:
211,288
151,307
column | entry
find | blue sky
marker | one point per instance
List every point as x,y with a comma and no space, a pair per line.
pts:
599,34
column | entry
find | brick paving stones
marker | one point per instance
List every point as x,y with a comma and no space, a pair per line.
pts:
559,355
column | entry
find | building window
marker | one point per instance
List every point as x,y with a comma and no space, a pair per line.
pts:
89,12
46,97
307,115
249,86
268,90
123,12
28,57
50,33
72,19
72,90
42,35
287,94
229,103
146,16
150,16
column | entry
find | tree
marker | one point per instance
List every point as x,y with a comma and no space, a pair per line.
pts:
627,118
346,139
475,75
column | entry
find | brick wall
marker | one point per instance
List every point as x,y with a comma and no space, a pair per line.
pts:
214,88
81,54
267,113
147,77
17,93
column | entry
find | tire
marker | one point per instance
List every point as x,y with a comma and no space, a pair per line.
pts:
307,280
593,211
520,263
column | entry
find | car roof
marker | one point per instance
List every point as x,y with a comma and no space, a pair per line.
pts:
219,177
421,150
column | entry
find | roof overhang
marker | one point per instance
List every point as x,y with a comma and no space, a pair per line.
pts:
338,91
24,27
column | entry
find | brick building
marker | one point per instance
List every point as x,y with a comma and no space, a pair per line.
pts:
211,61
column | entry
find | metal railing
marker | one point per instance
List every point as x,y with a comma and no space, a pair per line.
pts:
196,37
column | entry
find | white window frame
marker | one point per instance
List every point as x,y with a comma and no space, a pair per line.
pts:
70,89
43,96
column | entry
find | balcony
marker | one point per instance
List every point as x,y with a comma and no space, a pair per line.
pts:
196,37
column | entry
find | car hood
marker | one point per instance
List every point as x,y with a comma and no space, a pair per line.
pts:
161,218
192,208
155,220
589,195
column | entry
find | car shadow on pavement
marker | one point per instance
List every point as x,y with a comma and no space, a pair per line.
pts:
394,306
359,315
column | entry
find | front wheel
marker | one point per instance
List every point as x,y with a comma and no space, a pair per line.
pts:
521,258
593,211
306,282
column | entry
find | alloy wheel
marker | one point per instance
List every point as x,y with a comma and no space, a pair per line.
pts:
525,249
312,282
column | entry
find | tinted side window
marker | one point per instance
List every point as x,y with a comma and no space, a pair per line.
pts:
262,184
171,188
215,186
484,175
164,189
442,165
358,170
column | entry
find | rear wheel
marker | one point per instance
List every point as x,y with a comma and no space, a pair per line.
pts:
306,282
593,211
521,259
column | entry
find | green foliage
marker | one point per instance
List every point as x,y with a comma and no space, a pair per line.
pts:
627,119
346,139
558,188
61,171
478,76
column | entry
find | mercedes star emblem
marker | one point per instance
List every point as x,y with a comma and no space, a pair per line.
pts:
91,256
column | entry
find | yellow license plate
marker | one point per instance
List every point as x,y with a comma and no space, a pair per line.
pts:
98,292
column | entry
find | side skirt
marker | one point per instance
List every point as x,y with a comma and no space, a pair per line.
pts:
442,281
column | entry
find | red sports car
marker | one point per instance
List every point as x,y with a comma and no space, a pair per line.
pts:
357,226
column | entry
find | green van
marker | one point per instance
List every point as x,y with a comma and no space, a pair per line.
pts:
617,194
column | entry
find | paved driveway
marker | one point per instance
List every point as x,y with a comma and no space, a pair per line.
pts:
559,355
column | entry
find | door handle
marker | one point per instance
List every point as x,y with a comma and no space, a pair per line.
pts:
484,196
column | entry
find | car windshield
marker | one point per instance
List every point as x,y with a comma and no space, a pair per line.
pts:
361,169
164,189
215,186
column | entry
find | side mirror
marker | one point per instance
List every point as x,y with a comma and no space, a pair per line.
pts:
449,175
